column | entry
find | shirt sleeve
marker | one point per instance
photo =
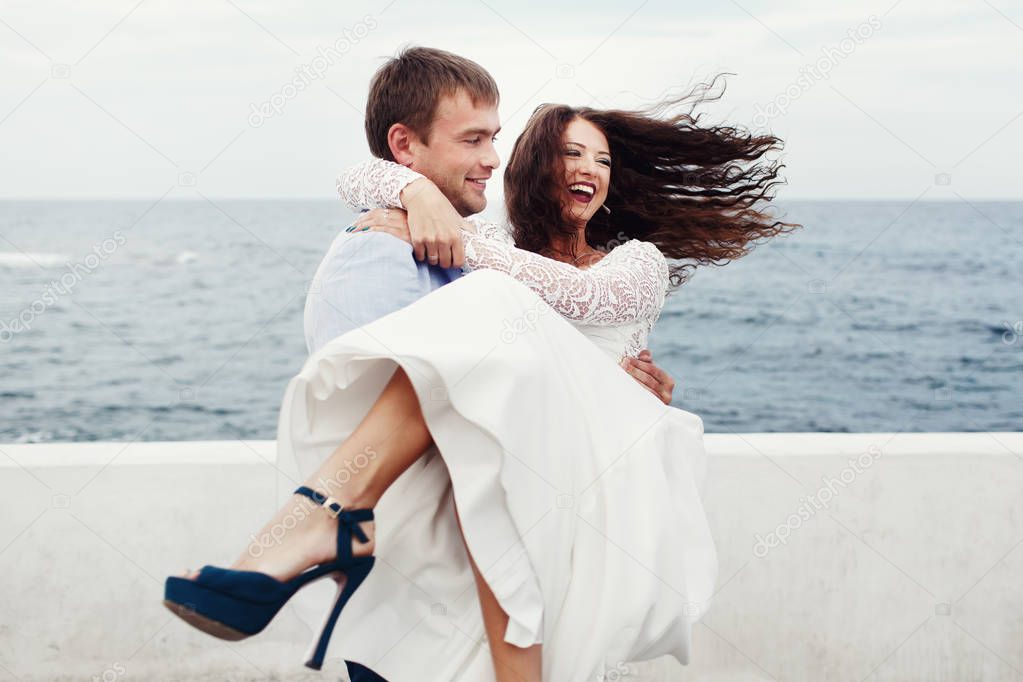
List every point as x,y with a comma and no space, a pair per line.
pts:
629,287
375,184
366,277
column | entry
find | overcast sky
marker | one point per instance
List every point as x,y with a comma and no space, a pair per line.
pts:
132,99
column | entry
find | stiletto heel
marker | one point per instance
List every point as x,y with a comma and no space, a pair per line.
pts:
318,649
233,605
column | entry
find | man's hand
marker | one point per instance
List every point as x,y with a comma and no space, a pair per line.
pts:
434,225
650,376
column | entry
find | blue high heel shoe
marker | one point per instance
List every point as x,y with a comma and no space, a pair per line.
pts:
233,605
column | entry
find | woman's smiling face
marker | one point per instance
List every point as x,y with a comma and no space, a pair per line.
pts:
587,170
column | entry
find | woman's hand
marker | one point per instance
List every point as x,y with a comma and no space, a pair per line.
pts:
434,224
650,376
392,220
396,221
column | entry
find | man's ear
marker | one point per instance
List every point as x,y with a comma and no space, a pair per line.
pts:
402,142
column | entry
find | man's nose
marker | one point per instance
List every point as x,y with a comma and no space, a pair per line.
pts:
491,160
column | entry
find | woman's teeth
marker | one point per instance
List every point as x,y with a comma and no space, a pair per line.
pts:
582,192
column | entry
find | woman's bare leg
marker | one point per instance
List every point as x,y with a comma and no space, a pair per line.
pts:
389,439
511,663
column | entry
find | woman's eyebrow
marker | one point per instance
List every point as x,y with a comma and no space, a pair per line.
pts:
580,144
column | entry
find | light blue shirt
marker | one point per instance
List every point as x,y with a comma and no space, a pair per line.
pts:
363,277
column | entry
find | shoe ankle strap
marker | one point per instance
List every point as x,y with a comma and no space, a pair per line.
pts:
348,518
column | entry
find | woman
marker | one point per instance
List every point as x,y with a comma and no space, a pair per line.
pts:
578,492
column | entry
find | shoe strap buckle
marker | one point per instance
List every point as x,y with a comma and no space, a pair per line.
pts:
332,507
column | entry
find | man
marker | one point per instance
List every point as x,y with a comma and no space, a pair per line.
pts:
435,112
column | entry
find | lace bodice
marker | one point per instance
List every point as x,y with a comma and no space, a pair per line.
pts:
615,302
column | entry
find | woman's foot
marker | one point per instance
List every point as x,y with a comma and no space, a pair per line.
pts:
300,535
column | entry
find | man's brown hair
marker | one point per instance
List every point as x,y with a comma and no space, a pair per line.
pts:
408,88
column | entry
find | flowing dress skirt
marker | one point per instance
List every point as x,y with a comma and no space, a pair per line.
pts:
579,492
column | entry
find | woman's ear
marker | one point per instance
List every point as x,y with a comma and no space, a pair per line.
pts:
400,139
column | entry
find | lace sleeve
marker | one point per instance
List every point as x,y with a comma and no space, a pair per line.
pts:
374,184
492,231
630,286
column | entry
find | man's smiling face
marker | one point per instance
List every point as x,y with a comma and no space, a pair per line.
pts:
460,156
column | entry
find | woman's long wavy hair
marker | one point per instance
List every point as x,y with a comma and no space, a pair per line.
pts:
693,191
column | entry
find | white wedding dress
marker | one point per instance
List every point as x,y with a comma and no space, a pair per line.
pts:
578,490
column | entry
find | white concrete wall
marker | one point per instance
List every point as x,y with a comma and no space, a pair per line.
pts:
910,571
